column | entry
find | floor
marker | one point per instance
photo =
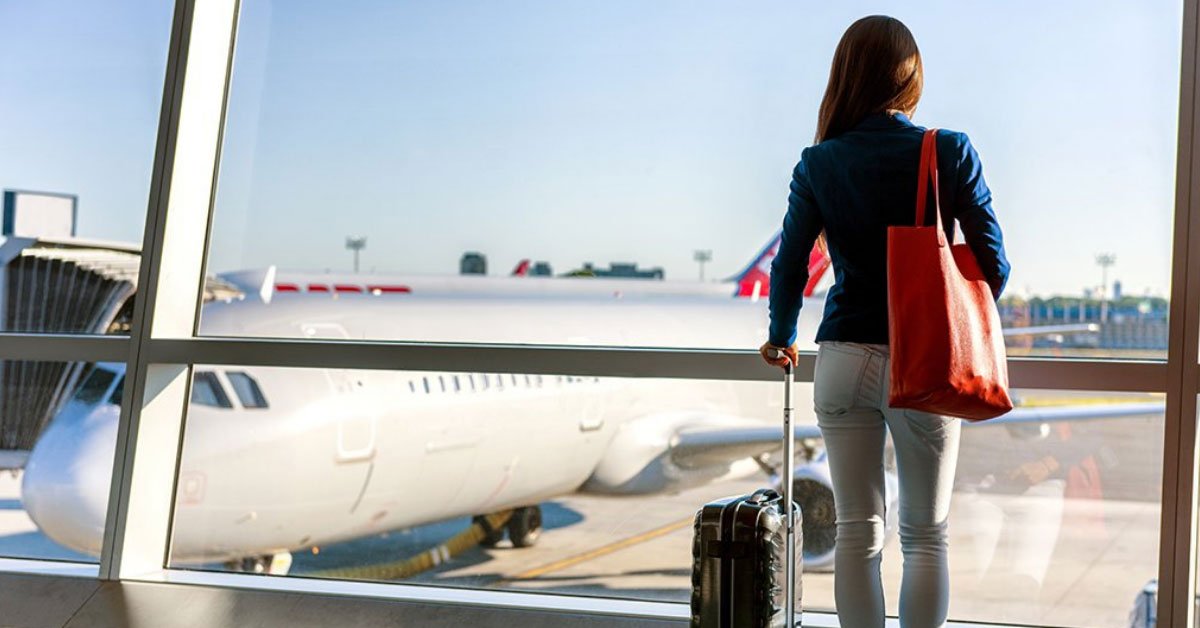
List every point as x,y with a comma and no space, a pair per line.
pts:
31,601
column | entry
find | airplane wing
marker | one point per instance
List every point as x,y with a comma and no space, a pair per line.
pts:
1046,330
692,449
1050,414
704,447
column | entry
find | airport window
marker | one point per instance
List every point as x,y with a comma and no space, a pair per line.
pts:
95,386
591,117
247,390
1037,506
55,458
1057,512
1107,297
207,391
83,84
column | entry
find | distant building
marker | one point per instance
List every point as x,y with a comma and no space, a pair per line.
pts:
39,214
541,269
473,263
618,269
1117,290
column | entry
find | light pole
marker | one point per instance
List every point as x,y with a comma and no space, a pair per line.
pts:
702,257
1104,260
356,245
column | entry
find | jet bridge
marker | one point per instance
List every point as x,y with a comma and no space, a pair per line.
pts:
60,286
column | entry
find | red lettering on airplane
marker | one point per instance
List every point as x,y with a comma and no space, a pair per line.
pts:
346,288
389,289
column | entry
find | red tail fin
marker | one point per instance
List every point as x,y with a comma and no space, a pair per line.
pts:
522,268
755,280
818,265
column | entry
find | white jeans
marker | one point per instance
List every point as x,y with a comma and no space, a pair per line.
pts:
851,393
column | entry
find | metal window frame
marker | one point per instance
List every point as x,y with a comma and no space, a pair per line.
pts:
162,347
1177,526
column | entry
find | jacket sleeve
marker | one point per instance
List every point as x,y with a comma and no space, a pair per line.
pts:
973,209
789,270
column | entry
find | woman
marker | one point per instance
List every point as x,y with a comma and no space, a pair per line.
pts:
859,178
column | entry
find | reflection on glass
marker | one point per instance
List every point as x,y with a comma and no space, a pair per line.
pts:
57,437
83,83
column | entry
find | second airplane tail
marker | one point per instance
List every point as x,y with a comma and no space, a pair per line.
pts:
755,280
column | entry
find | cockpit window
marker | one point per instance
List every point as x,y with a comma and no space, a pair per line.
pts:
118,392
94,387
207,390
247,390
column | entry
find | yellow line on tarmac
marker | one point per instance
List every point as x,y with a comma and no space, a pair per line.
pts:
603,550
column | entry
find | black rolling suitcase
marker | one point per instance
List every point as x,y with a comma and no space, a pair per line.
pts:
745,566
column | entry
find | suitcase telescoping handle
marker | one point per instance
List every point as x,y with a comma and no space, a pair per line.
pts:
789,472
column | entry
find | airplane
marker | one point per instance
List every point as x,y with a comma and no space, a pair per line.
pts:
751,281
280,459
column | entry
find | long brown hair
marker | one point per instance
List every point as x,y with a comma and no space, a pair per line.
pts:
876,68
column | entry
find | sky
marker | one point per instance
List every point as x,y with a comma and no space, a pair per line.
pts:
616,131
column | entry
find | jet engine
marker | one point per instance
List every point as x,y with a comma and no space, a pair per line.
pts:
812,490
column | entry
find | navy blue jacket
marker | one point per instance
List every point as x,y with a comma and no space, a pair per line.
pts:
853,187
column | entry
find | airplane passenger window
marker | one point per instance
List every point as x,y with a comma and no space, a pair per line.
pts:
412,386
95,386
457,384
425,381
207,391
247,390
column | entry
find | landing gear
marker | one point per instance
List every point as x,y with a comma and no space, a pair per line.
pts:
274,564
492,537
525,527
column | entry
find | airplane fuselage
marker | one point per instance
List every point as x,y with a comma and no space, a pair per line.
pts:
339,454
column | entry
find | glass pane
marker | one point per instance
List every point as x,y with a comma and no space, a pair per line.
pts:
82,85
479,156
369,475
58,431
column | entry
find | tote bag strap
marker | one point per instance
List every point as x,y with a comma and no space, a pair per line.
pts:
927,176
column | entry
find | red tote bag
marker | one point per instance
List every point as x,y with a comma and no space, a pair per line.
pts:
946,343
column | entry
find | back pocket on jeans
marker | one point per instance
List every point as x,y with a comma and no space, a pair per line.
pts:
838,378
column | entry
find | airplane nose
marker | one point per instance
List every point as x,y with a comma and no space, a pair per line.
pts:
65,485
